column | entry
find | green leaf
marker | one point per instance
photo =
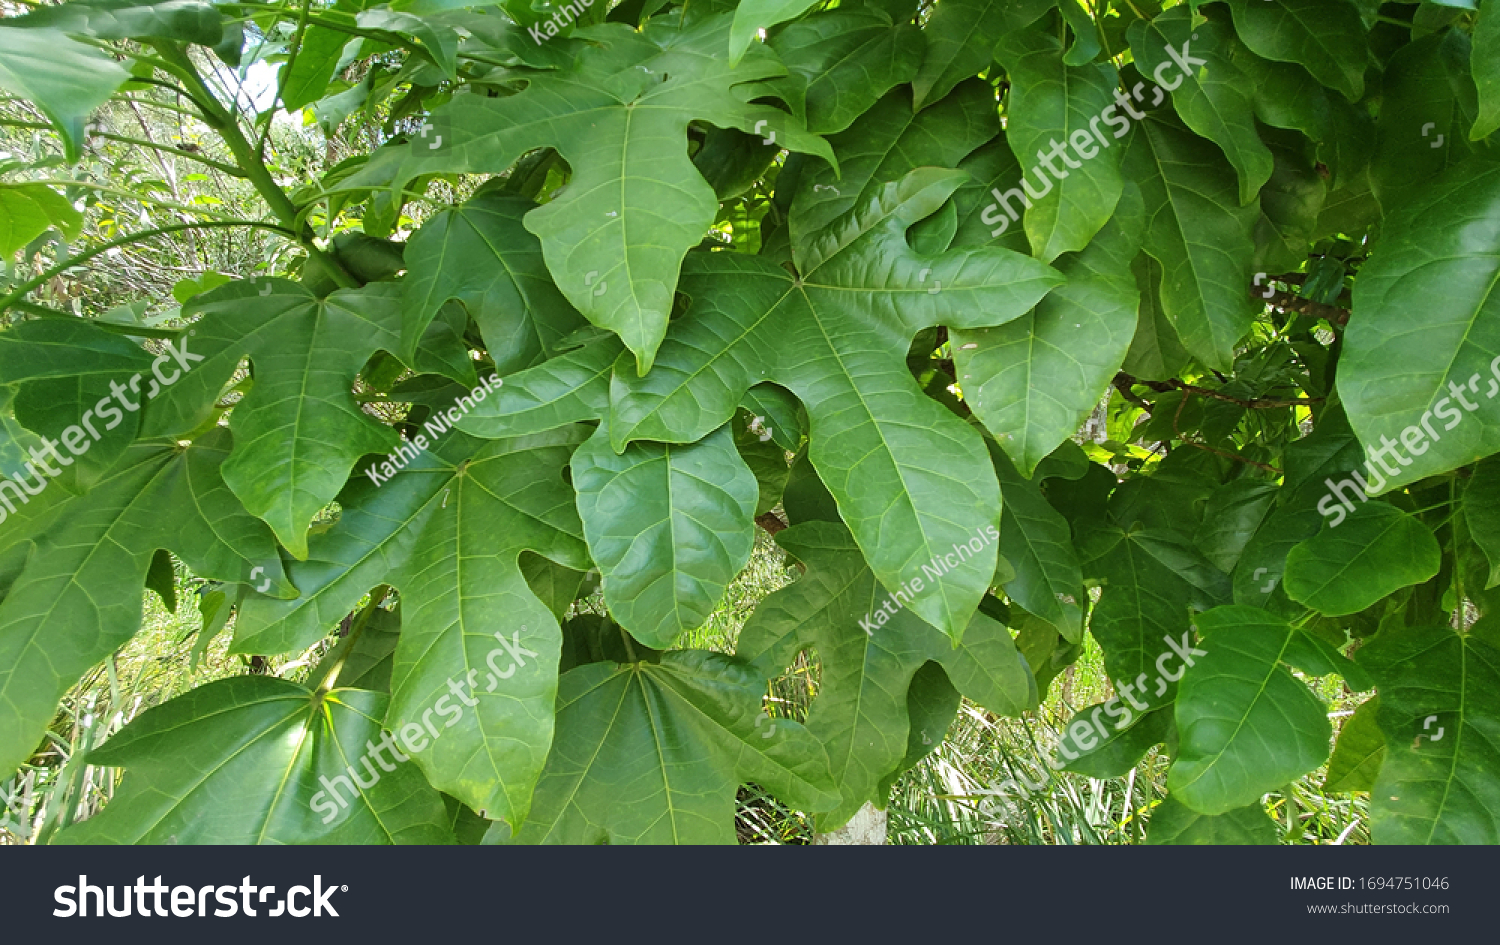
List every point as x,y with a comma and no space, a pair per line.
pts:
1246,725
842,61
1175,823
752,16
991,167
1406,380
656,753
1377,551
480,254
961,35
780,414
566,389
1481,509
66,79
1326,37
1035,539
250,760
911,479
1056,104
1486,69
438,40
1152,578
669,526
1033,381
1215,100
766,460
1233,516
1120,750
299,431
870,647
305,80
885,144
614,239
1358,754
29,210
1428,106
448,531
78,597
1440,713
931,706
1201,236
1155,351
188,21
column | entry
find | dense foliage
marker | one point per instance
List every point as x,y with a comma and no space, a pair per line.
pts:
539,299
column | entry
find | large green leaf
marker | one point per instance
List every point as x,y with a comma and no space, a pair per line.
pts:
912,481
1440,712
1326,37
1033,381
655,753
1051,104
1404,380
250,759
448,530
479,254
78,597
669,526
299,431
1246,725
1199,233
1377,551
63,77
1214,99
614,239
870,647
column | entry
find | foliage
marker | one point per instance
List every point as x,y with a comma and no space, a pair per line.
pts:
544,310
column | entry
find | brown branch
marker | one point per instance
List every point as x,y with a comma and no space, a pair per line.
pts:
1123,382
1287,302
771,522
1205,447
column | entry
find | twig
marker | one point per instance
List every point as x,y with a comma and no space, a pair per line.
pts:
1124,381
1205,447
